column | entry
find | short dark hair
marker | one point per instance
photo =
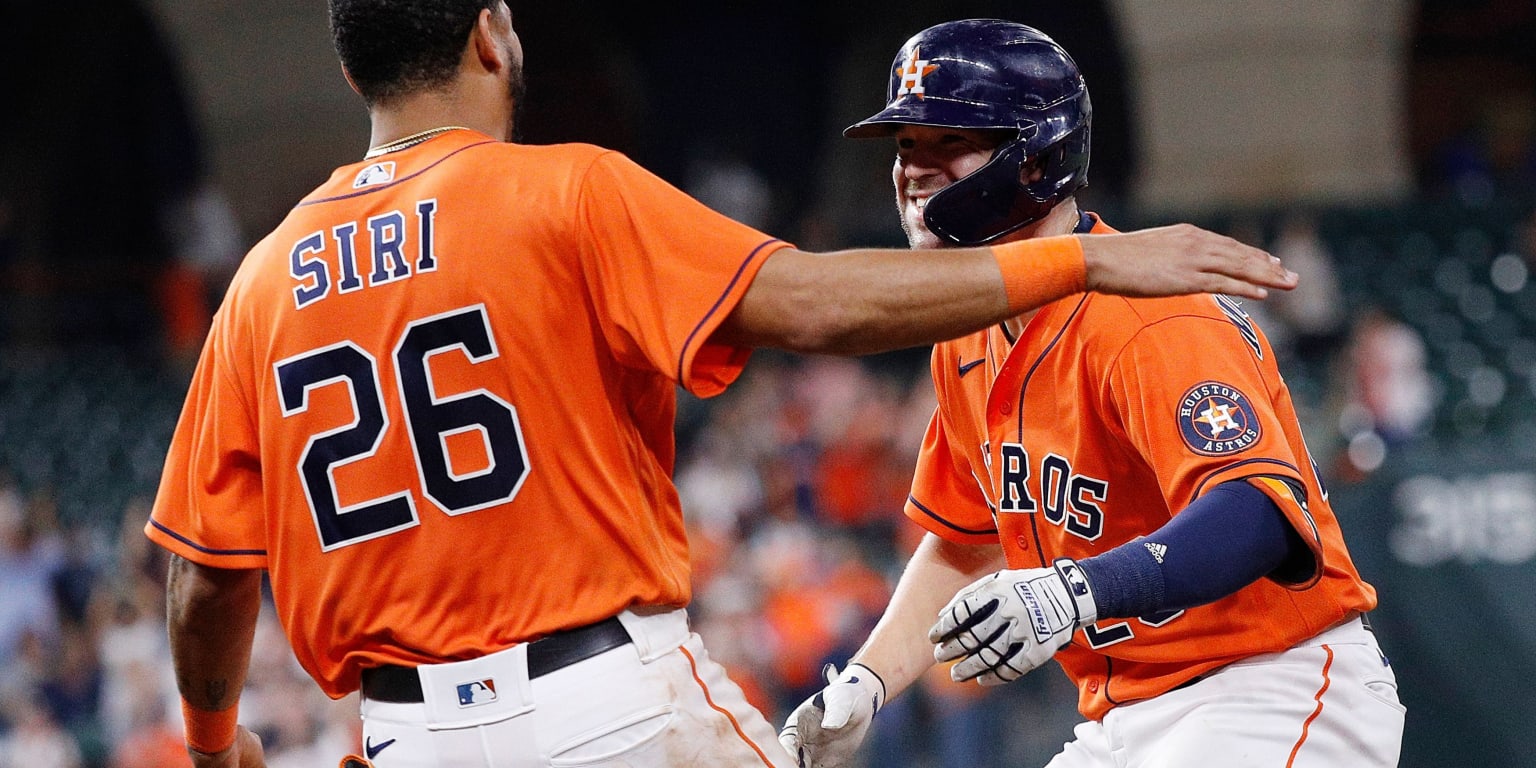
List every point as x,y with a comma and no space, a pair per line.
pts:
392,48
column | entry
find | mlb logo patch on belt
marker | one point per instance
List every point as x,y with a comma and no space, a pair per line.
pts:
477,692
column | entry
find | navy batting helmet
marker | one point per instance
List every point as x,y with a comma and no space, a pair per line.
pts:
989,73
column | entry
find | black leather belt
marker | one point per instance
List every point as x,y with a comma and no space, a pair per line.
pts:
401,685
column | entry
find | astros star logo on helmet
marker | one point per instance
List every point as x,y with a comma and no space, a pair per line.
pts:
912,72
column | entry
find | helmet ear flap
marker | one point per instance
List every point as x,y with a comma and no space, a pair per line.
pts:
998,198
988,203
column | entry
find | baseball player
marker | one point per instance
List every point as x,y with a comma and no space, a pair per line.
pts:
436,407
1119,484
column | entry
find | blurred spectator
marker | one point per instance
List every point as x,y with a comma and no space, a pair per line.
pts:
136,682
71,692
1313,313
128,621
725,182
718,486
1389,394
298,724
160,746
951,722
1389,376
36,741
863,475
29,557
1495,154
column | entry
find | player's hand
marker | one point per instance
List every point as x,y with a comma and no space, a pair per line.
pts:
1180,259
244,753
1006,624
826,729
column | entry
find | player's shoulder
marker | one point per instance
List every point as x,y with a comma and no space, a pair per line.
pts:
473,154
548,162
574,153
1115,320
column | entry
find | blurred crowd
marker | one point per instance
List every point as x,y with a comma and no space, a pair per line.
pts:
85,667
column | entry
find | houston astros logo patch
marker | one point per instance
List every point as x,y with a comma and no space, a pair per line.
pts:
1217,420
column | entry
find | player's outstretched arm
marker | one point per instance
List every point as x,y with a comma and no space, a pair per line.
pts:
1177,259
826,730
873,300
211,619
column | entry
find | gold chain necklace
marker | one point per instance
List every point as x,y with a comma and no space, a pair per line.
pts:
410,141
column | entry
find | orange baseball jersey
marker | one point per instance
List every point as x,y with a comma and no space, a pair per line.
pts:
437,403
1107,417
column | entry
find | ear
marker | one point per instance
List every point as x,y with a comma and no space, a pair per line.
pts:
483,41
348,76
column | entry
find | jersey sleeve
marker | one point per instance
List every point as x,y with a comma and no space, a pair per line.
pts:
945,498
1202,412
665,271
209,506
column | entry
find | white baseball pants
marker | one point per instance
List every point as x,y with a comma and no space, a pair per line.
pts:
1327,702
657,702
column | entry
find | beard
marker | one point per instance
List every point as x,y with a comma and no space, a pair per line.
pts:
918,235
517,90
915,227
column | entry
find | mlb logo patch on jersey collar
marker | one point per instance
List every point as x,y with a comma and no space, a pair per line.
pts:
376,173
1217,419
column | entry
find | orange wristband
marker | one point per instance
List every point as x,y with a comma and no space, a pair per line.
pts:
209,732
1039,271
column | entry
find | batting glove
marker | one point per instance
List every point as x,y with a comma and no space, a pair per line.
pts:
1006,624
826,729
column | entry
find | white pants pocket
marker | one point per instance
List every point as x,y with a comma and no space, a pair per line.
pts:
615,739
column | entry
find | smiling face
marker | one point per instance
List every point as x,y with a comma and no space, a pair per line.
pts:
930,158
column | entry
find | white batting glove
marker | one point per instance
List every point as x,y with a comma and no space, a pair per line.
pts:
1006,624
826,729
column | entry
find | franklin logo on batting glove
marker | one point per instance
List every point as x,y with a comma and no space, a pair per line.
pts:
1036,611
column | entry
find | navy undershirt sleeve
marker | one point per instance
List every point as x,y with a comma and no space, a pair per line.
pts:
1227,539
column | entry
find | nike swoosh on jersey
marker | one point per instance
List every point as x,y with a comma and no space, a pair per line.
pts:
966,367
373,750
